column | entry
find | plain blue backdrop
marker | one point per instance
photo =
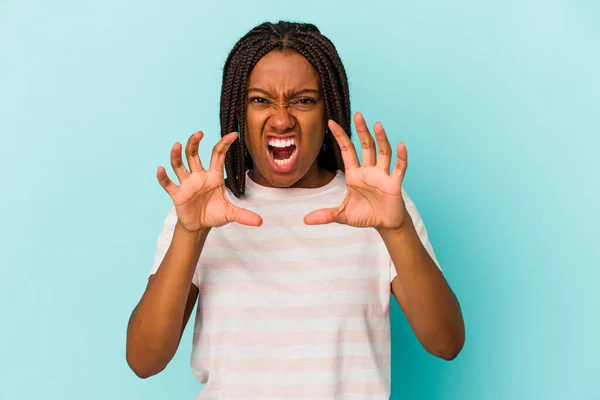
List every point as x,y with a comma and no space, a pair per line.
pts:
498,103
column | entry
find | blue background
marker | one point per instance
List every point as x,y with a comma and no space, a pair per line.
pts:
498,103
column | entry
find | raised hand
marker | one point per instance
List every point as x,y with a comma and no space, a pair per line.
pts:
374,196
200,200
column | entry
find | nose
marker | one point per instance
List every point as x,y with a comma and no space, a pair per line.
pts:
281,121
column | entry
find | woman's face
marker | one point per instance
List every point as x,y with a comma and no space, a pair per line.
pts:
285,122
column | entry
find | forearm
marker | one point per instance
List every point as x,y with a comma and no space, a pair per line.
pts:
156,323
430,306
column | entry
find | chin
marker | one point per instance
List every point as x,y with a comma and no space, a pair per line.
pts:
282,179
265,175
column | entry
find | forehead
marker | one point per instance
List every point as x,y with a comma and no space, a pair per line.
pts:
281,71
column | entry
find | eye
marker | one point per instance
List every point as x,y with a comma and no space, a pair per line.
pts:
306,101
258,100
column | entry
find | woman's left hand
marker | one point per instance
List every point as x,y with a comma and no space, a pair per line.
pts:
374,197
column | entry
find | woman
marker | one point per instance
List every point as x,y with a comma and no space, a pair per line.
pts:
292,258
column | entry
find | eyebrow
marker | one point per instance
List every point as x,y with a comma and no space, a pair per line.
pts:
298,93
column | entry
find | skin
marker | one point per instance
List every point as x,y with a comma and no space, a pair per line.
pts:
284,98
374,199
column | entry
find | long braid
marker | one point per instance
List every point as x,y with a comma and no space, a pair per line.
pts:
328,47
238,150
331,95
306,40
332,112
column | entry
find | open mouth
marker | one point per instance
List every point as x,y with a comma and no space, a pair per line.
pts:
283,153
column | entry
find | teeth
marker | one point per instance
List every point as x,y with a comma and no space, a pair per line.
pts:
282,142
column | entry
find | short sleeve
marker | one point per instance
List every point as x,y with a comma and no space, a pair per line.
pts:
421,231
164,242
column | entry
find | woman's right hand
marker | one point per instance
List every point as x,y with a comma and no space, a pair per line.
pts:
200,200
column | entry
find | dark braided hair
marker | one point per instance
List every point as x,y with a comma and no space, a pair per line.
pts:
306,40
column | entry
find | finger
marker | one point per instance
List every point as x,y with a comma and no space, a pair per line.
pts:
401,162
177,163
366,140
321,216
217,159
385,150
346,147
245,217
191,152
167,184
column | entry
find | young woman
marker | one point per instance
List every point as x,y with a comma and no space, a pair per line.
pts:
292,259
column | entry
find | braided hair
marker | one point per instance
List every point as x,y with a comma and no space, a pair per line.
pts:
306,40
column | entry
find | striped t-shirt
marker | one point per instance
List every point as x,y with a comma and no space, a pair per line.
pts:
291,311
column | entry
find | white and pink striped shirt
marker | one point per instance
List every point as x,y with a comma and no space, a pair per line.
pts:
291,311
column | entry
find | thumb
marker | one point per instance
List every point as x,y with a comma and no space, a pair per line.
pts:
245,217
321,216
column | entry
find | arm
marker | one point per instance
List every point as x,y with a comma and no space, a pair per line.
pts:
200,203
423,294
374,199
158,321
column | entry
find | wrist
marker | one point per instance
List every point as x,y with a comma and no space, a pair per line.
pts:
198,235
405,227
